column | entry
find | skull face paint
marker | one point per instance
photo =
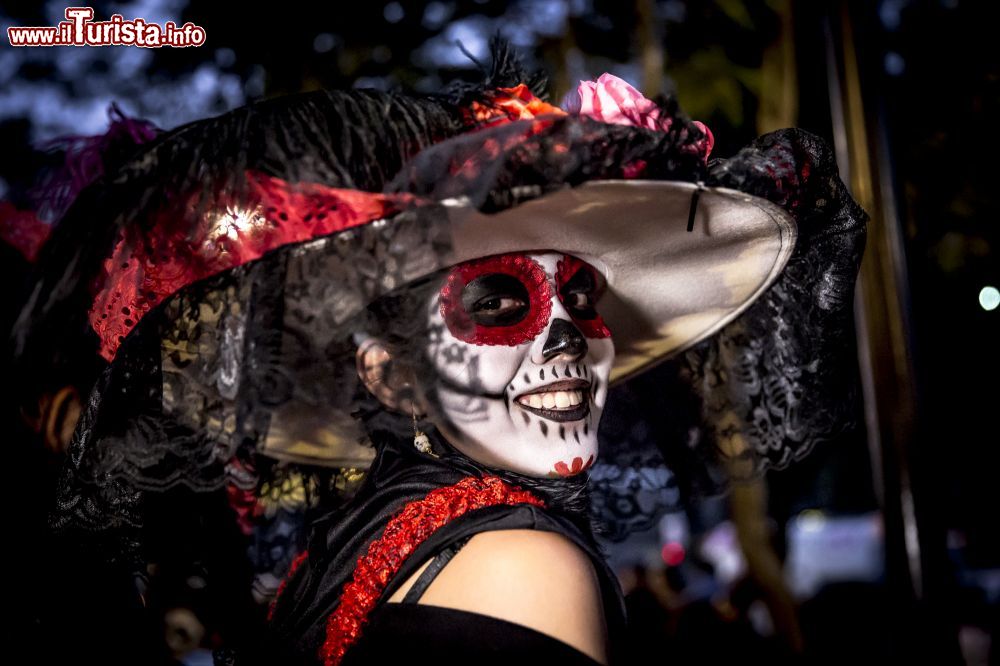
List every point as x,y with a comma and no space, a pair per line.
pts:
522,362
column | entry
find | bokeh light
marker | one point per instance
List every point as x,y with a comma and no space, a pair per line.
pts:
989,298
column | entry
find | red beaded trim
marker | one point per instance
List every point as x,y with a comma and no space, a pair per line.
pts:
296,563
416,522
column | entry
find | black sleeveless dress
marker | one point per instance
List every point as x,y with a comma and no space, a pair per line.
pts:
418,632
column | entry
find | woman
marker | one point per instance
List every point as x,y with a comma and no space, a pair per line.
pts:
509,387
451,270
509,368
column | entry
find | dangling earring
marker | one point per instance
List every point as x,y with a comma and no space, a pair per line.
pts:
421,441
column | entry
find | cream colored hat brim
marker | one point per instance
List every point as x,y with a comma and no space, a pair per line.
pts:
668,288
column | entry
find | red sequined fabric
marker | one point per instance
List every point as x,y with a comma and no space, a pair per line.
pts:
296,563
417,521
154,260
520,266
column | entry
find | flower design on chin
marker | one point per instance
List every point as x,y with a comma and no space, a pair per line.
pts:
577,466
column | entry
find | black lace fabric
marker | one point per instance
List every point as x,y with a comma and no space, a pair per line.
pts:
498,168
188,402
218,381
783,377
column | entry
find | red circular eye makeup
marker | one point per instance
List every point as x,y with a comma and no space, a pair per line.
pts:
500,300
580,287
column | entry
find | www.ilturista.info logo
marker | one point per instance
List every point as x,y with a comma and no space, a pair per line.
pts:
79,29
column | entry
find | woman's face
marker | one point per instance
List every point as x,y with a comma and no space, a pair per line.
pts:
522,361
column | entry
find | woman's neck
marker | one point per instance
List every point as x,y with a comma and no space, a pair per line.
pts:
569,495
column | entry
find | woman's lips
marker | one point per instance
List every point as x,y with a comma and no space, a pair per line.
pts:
565,400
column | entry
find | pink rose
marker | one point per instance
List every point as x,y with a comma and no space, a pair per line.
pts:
610,99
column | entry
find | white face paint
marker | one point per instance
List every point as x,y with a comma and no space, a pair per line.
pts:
523,362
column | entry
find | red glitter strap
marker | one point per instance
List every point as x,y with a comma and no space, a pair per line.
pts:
153,260
416,522
296,563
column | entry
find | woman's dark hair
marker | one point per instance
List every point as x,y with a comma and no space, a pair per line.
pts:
399,322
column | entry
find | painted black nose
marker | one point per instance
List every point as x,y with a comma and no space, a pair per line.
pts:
564,338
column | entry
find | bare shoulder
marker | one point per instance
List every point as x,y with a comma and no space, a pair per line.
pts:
534,578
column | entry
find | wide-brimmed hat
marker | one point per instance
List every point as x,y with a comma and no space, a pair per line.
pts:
243,253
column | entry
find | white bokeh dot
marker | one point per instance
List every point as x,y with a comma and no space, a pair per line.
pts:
989,298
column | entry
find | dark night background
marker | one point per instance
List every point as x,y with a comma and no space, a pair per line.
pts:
907,91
